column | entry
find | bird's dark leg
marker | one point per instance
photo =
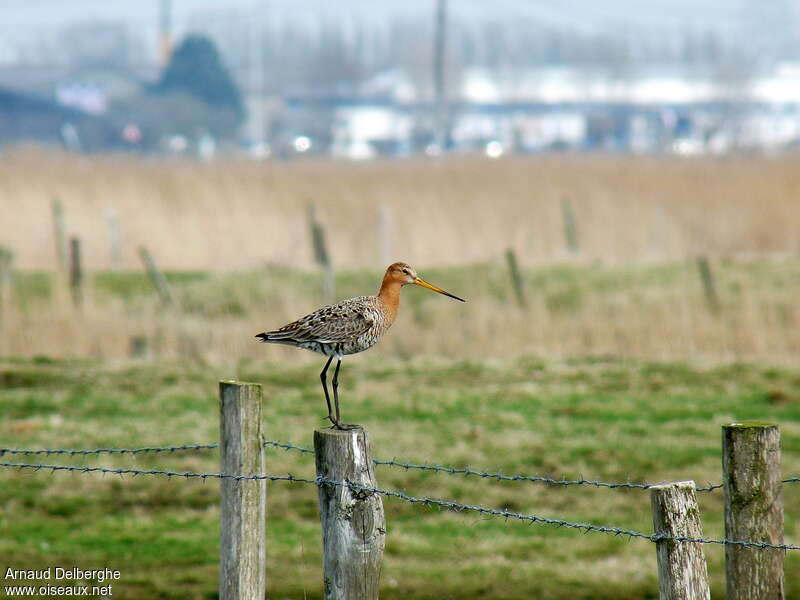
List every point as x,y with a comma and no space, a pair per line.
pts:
335,382
336,388
323,378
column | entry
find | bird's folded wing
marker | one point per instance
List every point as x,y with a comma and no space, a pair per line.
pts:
327,326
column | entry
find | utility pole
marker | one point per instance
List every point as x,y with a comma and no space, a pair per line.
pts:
257,84
440,117
165,32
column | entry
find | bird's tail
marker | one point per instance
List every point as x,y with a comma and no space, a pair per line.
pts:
263,337
273,336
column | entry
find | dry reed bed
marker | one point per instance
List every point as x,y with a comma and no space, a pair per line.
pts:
232,215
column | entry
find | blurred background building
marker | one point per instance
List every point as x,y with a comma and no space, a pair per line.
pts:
361,79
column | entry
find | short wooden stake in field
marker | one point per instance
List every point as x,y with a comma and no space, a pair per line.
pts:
157,278
242,569
709,285
6,270
115,250
383,234
59,232
682,570
353,524
516,278
570,227
75,272
751,476
321,254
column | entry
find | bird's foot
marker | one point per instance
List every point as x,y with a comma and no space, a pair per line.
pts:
341,426
345,426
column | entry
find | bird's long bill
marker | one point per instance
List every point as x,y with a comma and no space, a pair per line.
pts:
425,284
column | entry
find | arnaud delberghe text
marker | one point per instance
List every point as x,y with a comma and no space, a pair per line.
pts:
61,573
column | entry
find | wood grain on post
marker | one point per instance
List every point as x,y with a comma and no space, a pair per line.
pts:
682,570
751,477
242,570
353,524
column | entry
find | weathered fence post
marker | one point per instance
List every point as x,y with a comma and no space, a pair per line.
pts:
709,286
157,278
751,476
242,569
6,270
75,271
516,278
321,254
383,233
570,228
60,235
682,570
353,525
115,251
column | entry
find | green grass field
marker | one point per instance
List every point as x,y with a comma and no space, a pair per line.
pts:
655,311
597,418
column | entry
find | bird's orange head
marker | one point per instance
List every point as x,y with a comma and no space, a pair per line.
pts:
401,273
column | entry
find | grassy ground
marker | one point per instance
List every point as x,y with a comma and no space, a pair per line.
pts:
607,419
655,311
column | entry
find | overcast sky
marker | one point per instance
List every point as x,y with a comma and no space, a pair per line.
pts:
20,15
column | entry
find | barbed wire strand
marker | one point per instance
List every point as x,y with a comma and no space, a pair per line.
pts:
142,450
447,504
489,475
392,463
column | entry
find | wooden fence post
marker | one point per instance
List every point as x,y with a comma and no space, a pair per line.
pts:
751,476
682,570
157,278
321,255
242,572
353,524
115,250
383,233
60,235
75,271
516,278
570,228
6,270
709,286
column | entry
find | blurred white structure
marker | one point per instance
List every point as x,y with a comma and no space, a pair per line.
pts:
362,132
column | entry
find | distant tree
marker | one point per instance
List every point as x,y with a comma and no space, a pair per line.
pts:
196,69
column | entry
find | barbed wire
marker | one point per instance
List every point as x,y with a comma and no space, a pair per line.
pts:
142,450
427,501
391,462
494,475
288,446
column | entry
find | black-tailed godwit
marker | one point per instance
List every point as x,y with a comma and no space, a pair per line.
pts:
349,327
